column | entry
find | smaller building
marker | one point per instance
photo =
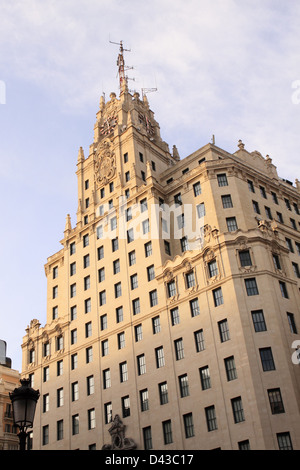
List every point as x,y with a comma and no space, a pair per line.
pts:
9,380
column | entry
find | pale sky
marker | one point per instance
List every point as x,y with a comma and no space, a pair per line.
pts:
225,67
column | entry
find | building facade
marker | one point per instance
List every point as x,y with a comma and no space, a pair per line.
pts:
9,380
173,306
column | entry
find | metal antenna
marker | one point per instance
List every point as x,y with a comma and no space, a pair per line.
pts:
123,79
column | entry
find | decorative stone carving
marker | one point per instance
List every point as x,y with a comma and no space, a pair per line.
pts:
118,439
105,166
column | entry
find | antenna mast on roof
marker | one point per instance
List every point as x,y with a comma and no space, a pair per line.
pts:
123,79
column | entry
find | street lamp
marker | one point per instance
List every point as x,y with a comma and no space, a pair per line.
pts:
24,400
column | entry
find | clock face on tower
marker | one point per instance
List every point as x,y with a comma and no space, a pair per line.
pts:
146,122
109,124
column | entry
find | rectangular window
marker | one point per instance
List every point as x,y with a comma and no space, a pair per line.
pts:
222,179
147,436
179,350
275,400
143,205
211,419
205,377
88,329
60,429
134,281
184,244
167,431
102,297
132,258
251,286
218,296
190,280
156,325
292,324
87,282
178,199
153,298
146,226
258,320
108,412
284,441
194,307
121,340
256,207
115,244
188,425
106,379
144,399
226,201
141,364
136,306
197,189
167,247
274,197
171,288
160,357
75,391
150,273
138,331
289,244
230,368
283,289
100,252
119,314
75,424
85,240
116,266
91,419
245,258
199,340
263,192
104,347
175,316
296,269
223,330
118,290
276,261
183,385
163,393
213,268
267,360
125,406
201,210
72,248
148,249
130,235
45,437
237,410
86,261
90,385
251,186
231,224
123,372
103,322
89,354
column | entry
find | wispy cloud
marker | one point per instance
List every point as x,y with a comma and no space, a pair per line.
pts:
222,67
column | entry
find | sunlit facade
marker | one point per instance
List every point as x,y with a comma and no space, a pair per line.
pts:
173,305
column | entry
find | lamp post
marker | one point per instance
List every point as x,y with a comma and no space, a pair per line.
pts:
24,400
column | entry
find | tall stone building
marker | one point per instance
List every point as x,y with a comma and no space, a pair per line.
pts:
173,305
9,380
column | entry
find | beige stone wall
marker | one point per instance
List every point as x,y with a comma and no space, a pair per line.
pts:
260,426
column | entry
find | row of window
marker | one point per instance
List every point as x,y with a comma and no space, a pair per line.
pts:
275,399
274,197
